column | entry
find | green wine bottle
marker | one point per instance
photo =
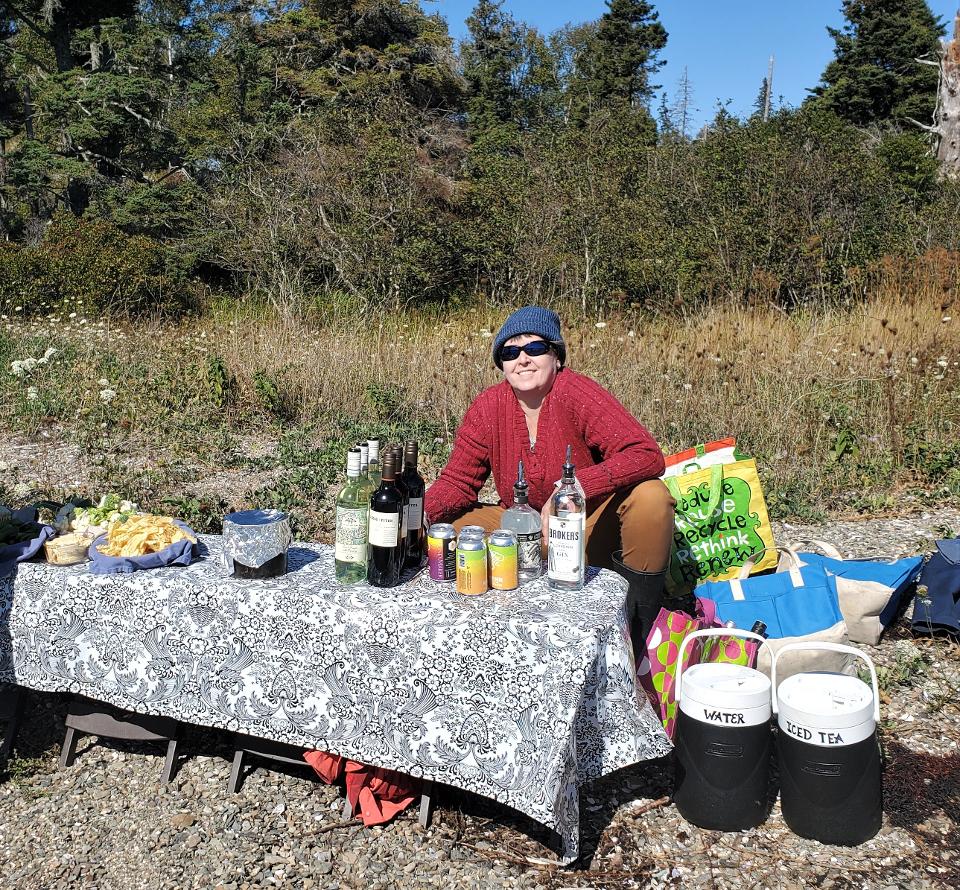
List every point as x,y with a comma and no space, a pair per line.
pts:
353,511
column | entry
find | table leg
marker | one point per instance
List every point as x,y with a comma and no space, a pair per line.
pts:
69,750
170,763
14,711
426,803
234,785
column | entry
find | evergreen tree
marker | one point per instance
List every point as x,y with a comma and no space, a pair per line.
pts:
491,58
624,54
760,103
358,50
874,77
509,69
608,65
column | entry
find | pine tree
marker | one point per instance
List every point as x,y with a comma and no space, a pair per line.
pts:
491,57
510,71
628,39
874,77
609,63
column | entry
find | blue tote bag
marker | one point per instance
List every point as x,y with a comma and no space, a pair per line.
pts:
872,592
797,605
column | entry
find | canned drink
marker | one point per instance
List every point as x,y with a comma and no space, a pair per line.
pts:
473,531
504,560
442,551
471,566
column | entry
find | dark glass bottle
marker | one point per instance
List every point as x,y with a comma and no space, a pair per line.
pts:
386,510
415,488
397,452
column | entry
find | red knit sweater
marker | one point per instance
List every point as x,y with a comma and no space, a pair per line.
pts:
611,449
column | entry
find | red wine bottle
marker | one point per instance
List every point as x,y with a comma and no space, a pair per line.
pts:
415,489
386,513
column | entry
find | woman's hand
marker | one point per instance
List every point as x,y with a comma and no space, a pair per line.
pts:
545,520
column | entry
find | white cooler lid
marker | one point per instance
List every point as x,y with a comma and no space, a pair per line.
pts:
728,686
825,699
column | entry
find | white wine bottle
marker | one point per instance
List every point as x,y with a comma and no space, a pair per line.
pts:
353,511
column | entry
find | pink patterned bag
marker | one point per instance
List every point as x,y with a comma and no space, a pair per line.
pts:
657,673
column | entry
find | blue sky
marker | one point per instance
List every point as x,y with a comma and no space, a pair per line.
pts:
724,44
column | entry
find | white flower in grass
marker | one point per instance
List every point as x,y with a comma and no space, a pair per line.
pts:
688,386
103,381
600,324
107,395
32,393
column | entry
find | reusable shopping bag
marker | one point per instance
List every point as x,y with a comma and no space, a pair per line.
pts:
721,451
657,673
721,522
937,606
871,592
796,605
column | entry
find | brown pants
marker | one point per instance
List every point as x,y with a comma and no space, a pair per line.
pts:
638,521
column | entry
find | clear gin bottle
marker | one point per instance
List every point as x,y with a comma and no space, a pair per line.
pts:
566,534
524,521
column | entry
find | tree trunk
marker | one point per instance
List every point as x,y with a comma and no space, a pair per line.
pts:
949,105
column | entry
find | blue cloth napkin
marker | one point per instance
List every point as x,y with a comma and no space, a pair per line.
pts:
180,553
14,553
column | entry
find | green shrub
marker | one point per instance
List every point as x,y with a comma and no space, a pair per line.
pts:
90,267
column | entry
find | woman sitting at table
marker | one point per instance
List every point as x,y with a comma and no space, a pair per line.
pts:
538,409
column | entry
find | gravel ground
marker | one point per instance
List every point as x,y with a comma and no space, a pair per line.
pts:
108,821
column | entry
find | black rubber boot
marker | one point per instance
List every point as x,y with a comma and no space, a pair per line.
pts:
644,599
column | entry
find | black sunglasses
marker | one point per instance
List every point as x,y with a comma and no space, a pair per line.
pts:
533,349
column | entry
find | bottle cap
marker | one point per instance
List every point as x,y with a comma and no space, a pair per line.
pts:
353,462
373,446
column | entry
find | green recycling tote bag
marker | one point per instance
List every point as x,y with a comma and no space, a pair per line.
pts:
721,521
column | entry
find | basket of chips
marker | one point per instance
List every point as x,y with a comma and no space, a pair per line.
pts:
142,541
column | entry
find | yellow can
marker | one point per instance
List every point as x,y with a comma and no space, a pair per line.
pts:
504,562
471,566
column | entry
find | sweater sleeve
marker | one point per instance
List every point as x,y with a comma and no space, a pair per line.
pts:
459,483
629,453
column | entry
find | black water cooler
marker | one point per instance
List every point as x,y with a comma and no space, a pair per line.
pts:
827,749
723,741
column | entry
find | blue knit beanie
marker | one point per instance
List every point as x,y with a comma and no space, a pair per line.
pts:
531,320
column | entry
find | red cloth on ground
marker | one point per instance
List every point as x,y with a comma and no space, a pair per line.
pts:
612,450
377,794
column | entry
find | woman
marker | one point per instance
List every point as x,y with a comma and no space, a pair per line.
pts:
538,409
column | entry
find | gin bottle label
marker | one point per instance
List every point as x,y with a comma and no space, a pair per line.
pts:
528,550
565,547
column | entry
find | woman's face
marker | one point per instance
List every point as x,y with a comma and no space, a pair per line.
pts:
528,373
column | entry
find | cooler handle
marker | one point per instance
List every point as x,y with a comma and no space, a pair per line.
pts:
711,632
832,647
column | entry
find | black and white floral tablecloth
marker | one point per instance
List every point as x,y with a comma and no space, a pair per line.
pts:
520,696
